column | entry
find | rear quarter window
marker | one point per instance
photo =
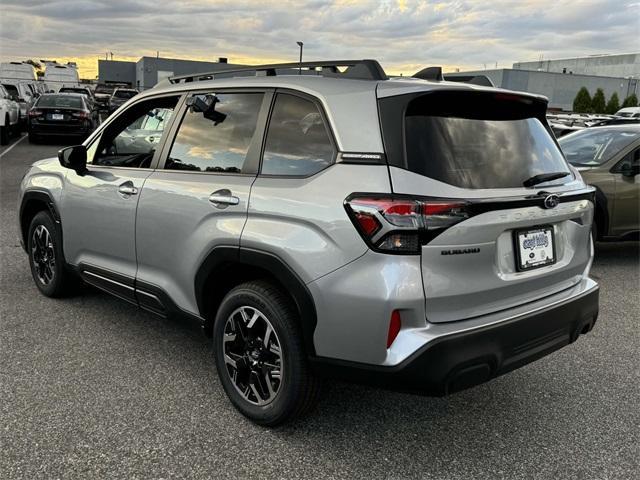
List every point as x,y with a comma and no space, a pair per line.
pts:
298,142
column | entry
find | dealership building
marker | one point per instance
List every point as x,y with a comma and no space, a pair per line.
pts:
623,65
560,80
148,71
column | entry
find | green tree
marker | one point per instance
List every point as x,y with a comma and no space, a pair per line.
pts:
613,105
598,101
582,102
630,101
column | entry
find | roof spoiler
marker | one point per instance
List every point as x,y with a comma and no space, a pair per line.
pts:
355,69
434,74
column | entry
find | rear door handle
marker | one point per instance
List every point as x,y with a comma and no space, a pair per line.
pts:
127,188
223,198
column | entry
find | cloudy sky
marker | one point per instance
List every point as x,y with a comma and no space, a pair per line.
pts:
404,35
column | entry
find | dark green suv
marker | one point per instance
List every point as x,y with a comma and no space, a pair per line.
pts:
609,159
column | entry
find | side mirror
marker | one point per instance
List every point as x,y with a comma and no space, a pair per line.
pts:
74,158
629,170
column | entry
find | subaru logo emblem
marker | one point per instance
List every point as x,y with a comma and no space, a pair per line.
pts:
551,201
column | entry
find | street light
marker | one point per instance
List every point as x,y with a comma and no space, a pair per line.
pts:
300,44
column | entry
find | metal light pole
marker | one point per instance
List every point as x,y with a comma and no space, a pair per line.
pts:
300,44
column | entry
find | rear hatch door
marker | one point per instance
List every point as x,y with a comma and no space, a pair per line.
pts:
517,237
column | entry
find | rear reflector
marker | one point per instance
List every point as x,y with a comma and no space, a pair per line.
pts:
394,327
368,223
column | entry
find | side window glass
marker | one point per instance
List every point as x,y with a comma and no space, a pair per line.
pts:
297,141
216,133
131,140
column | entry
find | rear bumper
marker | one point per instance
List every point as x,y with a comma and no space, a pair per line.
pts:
460,360
59,130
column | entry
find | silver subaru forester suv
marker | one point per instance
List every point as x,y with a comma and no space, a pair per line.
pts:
413,233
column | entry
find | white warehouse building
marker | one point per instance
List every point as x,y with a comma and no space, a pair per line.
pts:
620,65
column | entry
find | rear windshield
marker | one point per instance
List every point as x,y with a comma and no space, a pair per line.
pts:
60,101
74,90
479,141
593,147
472,153
124,94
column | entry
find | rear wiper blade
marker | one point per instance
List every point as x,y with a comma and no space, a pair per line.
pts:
543,177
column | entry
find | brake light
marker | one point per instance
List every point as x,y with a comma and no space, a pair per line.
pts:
81,115
401,225
35,113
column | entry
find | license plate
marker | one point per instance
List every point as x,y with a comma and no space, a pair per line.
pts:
57,116
535,248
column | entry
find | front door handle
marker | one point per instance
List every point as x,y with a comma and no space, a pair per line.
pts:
223,198
127,188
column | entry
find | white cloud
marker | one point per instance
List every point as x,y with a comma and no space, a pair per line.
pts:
403,35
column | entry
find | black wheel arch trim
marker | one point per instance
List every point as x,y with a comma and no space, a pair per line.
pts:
222,256
39,196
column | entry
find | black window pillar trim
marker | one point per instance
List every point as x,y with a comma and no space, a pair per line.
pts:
40,196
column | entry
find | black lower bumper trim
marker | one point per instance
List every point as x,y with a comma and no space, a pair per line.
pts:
458,361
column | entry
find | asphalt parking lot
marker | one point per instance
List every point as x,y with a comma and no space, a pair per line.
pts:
92,387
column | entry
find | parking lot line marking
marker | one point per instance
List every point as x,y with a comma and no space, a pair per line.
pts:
8,149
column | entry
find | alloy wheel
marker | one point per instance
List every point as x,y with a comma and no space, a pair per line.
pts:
253,355
43,254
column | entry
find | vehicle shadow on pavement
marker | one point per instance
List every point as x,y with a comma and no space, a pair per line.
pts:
537,408
622,252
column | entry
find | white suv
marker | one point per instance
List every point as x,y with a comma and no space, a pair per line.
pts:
419,234
9,116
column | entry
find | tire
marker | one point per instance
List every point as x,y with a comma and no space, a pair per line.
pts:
33,138
46,259
4,132
17,128
288,389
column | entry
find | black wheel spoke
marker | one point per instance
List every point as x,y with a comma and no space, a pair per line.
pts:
43,254
252,355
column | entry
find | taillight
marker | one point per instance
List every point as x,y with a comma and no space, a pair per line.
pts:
80,115
401,225
35,113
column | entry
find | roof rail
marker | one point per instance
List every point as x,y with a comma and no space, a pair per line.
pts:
356,69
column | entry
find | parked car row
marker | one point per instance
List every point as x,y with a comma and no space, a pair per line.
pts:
23,107
566,123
